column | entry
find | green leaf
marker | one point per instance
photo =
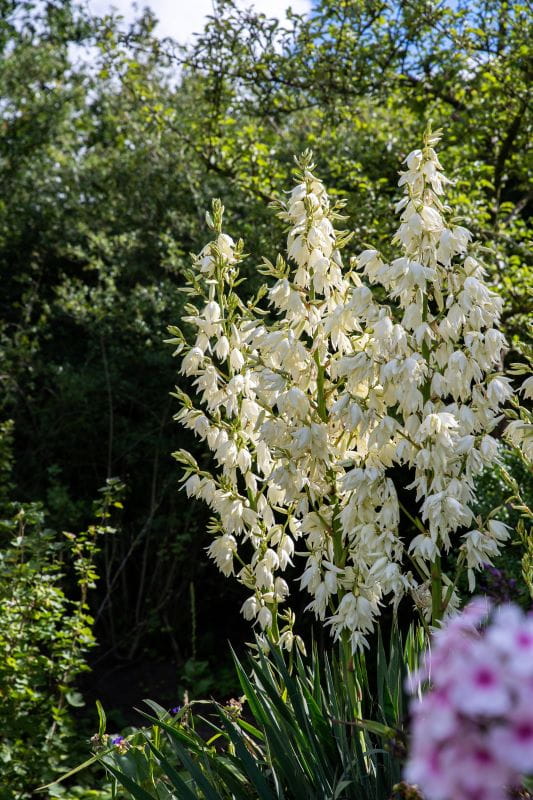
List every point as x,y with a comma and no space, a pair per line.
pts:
102,722
376,727
75,699
185,792
249,764
135,790
196,773
70,773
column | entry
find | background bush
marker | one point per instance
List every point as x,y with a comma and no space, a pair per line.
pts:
46,633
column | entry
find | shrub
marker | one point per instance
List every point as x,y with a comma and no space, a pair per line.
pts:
45,635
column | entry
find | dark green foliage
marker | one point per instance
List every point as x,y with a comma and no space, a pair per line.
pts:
46,632
100,209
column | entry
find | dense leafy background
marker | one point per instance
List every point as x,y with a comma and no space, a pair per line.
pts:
111,145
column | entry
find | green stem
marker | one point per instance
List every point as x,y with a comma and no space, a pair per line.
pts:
425,626
451,587
322,411
426,351
274,628
416,522
338,548
437,609
349,672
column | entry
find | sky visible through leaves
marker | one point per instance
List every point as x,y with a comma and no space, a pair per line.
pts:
181,19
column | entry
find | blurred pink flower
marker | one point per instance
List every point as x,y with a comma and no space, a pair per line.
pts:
482,687
472,729
514,741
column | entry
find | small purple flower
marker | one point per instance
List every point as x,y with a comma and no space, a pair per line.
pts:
175,710
497,584
121,744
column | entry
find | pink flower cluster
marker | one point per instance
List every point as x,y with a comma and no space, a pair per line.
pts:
472,732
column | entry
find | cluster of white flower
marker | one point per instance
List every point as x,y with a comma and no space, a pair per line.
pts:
519,432
307,414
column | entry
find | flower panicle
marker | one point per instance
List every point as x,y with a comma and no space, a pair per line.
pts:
321,404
